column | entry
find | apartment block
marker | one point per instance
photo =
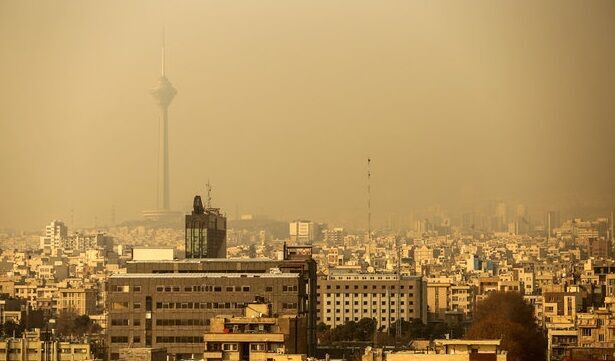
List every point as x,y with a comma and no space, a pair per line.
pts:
347,297
256,335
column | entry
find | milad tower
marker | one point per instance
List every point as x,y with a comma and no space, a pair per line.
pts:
163,93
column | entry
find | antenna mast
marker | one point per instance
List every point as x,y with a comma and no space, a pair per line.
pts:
369,202
163,46
208,201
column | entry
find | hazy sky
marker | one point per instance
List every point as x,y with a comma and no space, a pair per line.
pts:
280,102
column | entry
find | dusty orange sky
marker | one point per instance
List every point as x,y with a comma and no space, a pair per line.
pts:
279,104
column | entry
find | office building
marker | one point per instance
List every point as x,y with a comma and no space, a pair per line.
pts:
345,297
205,232
302,232
170,304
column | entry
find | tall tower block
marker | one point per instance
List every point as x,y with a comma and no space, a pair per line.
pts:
163,93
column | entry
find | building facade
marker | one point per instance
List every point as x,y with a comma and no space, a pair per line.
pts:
169,304
256,335
205,232
345,297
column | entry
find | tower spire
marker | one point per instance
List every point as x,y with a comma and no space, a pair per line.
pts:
163,46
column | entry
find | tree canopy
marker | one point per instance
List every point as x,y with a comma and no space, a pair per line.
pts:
363,330
71,324
506,316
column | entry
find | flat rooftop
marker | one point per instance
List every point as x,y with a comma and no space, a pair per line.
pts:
203,275
213,260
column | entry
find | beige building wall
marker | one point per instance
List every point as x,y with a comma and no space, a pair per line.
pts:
353,296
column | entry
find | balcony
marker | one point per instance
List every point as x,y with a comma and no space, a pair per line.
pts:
244,337
212,354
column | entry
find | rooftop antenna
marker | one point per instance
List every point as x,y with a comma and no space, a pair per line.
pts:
208,200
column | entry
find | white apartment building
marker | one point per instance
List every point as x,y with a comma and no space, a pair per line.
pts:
344,297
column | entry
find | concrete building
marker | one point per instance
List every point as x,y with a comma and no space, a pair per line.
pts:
561,307
31,348
596,329
444,350
256,335
437,299
143,354
302,232
559,338
153,254
54,233
170,304
82,301
386,297
205,232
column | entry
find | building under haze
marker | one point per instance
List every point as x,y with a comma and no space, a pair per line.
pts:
55,232
302,232
170,303
347,296
205,232
164,93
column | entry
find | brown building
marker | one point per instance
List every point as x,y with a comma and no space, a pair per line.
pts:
596,329
256,335
170,303
598,247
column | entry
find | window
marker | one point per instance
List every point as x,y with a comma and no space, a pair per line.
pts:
229,347
136,305
258,347
268,289
119,306
136,289
136,339
586,331
119,322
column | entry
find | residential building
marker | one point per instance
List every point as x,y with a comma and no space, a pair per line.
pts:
386,297
256,335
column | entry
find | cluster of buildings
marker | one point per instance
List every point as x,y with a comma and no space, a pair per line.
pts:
264,301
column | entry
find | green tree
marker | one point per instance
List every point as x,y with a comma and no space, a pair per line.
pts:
506,316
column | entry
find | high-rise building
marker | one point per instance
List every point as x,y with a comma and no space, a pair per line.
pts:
553,221
303,232
205,232
55,232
